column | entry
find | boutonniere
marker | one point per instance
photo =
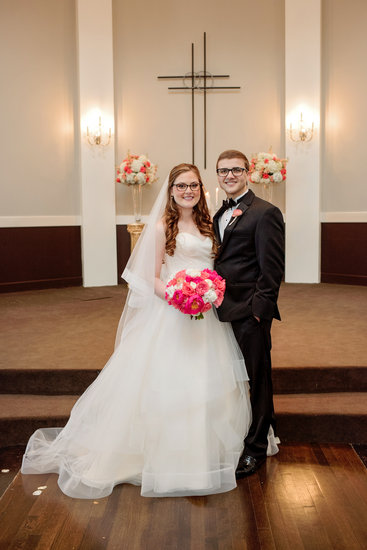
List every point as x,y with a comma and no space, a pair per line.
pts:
235,214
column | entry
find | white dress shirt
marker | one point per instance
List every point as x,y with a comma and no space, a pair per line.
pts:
227,215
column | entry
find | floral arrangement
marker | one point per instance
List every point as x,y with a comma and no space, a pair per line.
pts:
266,168
136,170
193,292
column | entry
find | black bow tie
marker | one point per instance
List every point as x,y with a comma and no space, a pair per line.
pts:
229,203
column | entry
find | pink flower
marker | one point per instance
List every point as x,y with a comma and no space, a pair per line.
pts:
220,285
210,274
172,282
143,169
206,307
118,180
236,213
266,161
177,298
218,301
187,289
202,287
194,305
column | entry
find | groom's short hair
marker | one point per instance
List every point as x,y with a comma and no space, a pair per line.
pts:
233,154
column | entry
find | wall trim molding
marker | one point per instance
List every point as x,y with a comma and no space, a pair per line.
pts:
39,221
125,219
343,217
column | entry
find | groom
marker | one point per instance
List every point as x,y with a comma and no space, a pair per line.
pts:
251,259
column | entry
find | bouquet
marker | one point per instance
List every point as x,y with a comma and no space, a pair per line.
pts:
193,292
136,170
266,168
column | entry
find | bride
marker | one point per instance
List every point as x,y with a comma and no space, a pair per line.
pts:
171,408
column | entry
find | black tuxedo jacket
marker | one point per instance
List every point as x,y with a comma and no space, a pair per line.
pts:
251,259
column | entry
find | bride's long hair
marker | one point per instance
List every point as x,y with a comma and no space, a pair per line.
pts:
200,211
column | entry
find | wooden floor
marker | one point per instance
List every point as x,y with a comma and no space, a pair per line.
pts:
309,497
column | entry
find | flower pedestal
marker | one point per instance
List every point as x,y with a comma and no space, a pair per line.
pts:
137,200
134,229
267,192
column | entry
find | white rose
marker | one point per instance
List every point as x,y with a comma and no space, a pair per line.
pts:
260,166
140,178
255,177
273,166
170,291
209,282
210,296
193,285
130,178
136,165
277,177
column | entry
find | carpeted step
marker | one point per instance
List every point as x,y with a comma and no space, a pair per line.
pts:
322,417
21,415
316,418
324,379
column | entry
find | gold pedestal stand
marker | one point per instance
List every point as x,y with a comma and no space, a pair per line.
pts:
134,229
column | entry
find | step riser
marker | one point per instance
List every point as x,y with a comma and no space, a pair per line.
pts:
285,380
291,428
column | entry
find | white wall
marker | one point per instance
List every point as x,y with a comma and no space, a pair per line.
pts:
244,39
38,108
344,86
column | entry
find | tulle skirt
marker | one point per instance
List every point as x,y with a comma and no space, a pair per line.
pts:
169,412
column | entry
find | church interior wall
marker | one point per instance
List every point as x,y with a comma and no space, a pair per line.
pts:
245,39
39,112
246,42
344,89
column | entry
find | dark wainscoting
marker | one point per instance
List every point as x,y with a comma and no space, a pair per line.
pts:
50,257
344,253
123,250
40,257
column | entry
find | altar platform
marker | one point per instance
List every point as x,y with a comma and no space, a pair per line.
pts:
54,342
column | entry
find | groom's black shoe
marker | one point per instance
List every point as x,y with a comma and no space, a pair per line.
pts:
248,465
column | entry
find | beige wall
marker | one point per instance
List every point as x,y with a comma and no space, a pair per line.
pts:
39,107
244,39
39,166
344,81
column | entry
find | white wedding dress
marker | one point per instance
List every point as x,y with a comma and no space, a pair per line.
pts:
169,411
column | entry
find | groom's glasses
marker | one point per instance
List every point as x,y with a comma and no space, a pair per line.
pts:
236,171
181,187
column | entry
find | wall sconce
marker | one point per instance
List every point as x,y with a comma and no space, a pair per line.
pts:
303,133
97,137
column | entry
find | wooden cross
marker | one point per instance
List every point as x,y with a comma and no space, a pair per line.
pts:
199,83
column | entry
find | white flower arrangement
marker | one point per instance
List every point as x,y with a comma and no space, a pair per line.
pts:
267,168
136,170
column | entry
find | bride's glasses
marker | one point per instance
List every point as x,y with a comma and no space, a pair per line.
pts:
181,187
236,171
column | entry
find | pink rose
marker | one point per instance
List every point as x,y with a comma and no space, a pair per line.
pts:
237,212
187,289
202,287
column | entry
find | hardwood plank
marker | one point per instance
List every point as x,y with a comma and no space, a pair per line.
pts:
308,497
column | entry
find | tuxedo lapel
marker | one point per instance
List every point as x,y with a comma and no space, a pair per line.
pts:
216,222
243,206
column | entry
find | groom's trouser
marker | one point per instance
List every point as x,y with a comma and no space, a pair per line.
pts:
254,339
